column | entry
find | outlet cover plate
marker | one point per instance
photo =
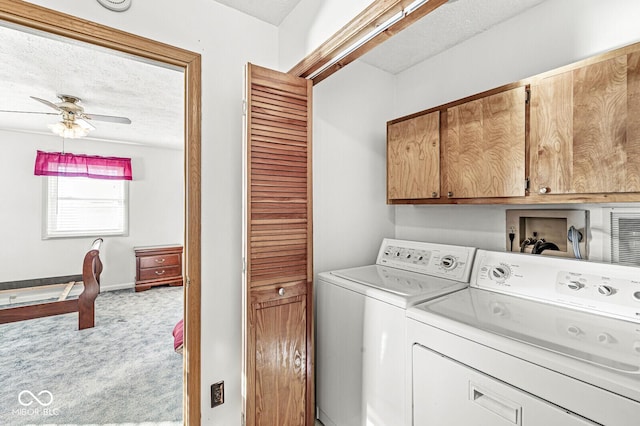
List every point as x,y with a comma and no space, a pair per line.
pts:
217,394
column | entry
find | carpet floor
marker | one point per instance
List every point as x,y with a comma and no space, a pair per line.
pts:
123,371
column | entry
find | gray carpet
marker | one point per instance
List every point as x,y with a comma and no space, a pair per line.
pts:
122,371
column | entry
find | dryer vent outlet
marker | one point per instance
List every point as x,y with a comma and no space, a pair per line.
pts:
217,394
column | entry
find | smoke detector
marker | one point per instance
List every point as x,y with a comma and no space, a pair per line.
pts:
116,5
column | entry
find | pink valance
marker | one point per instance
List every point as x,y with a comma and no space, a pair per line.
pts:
92,166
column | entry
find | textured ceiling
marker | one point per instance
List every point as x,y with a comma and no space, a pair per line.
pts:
450,24
445,27
108,83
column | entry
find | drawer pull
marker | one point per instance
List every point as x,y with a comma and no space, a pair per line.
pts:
500,406
160,260
281,291
160,272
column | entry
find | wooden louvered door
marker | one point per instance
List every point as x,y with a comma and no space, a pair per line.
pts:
278,334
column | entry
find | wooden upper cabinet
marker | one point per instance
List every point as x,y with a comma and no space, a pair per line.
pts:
413,158
484,147
585,129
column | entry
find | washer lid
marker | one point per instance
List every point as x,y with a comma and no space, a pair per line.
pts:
396,286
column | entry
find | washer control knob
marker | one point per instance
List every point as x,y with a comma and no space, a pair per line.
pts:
636,347
636,296
575,285
605,290
448,262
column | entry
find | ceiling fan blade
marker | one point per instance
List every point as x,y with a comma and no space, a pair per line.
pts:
30,112
109,118
47,103
84,123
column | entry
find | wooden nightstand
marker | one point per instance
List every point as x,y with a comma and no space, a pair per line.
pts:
158,265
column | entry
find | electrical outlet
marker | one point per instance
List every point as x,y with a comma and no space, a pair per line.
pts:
217,394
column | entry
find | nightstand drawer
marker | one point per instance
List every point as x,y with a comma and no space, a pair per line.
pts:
160,261
159,273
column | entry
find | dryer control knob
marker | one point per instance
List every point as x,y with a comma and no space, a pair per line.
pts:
500,273
606,338
636,347
574,331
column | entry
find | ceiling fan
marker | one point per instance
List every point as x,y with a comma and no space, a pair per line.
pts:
75,122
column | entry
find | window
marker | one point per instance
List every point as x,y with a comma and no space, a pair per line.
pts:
78,207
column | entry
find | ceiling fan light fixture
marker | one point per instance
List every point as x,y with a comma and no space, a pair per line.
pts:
69,130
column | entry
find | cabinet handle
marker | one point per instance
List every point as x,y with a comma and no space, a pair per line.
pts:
434,195
449,194
160,272
281,291
160,260
543,190
496,404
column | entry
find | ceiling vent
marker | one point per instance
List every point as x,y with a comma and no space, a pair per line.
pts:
625,236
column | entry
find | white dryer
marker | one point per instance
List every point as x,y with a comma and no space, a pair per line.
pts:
361,328
534,340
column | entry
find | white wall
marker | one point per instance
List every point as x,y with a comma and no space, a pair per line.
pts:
553,34
227,40
349,167
155,210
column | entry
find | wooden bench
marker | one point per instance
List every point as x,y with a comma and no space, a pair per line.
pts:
84,304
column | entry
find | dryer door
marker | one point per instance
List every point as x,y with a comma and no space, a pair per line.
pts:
448,393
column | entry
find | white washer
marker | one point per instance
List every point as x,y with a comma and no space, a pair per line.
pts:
361,328
534,340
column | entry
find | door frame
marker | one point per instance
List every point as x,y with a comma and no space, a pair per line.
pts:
60,24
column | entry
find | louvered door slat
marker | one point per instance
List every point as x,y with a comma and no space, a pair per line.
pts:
277,141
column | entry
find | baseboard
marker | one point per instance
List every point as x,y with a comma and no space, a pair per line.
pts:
116,286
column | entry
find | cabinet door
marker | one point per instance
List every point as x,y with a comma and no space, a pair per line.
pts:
484,149
279,335
584,135
413,158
